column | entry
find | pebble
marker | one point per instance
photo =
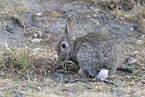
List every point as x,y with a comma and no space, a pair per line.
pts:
36,40
131,28
59,29
135,52
128,76
91,7
39,13
139,41
39,88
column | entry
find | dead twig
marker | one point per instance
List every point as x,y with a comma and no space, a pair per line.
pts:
89,80
125,68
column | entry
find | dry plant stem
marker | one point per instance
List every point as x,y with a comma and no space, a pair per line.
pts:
72,64
82,80
110,82
89,80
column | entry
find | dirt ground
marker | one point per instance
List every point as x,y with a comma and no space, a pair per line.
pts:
30,30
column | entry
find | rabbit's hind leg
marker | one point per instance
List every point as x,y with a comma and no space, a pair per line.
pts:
113,69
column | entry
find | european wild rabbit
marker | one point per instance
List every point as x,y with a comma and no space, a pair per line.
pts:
95,54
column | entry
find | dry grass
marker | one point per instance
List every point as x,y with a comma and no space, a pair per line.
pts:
37,88
9,8
21,68
134,14
132,10
13,11
50,13
27,62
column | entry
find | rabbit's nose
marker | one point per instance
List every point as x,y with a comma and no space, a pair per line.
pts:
91,76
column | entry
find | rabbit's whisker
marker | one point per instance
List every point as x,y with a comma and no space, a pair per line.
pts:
64,65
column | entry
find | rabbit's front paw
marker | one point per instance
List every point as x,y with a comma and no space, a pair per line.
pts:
83,73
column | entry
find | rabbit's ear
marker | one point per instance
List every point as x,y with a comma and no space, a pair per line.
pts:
70,27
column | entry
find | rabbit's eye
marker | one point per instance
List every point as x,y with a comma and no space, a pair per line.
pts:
63,45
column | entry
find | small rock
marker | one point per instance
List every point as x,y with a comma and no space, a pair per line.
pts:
139,41
36,40
39,14
91,8
131,28
132,61
59,29
39,88
128,76
135,52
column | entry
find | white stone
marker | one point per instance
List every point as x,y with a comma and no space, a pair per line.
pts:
131,28
139,41
39,13
136,52
36,40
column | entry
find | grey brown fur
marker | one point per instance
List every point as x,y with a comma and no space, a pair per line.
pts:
91,52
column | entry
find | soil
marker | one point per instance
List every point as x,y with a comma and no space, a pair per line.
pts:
49,17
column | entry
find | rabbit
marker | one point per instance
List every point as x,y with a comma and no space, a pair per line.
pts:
95,54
